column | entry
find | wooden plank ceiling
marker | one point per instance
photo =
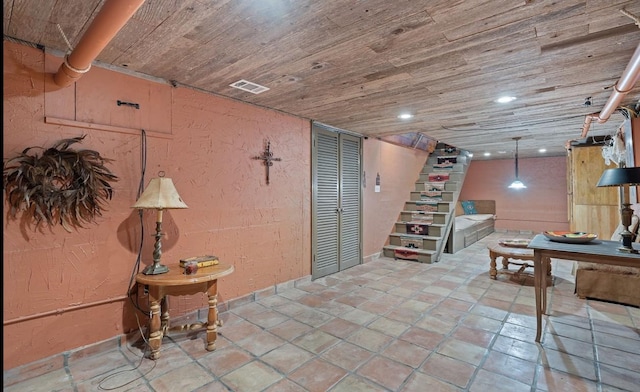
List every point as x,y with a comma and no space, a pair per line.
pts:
356,65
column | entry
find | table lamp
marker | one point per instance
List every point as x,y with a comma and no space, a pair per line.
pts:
624,177
159,195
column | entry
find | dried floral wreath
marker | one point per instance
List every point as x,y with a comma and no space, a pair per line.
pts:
60,186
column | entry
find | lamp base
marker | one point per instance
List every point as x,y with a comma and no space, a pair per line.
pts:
627,250
627,242
155,269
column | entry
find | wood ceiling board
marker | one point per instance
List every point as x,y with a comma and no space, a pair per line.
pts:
152,43
28,20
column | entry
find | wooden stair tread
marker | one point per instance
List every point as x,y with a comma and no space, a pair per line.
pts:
420,223
426,237
425,212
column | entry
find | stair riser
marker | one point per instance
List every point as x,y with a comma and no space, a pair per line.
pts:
427,244
433,230
433,158
448,187
446,196
438,219
441,207
429,168
420,257
453,176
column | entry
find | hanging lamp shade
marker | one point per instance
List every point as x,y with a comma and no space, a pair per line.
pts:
517,184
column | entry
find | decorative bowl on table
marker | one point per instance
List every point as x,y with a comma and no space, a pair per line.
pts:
570,237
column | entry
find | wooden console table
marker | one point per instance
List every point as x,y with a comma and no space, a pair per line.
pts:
596,251
175,282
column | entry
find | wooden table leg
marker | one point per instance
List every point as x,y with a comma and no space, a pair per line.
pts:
164,316
548,259
536,290
505,262
493,272
543,279
155,331
540,288
212,319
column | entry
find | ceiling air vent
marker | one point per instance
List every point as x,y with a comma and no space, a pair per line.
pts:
249,86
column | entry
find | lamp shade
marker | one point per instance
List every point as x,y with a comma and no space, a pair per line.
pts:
160,194
620,176
517,184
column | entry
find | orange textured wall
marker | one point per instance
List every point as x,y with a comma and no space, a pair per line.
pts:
399,169
542,206
66,290
204,143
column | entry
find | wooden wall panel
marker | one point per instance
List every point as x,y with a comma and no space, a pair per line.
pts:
588,167
594,210
601,220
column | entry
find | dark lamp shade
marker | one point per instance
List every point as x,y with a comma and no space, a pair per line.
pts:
620,176
160,194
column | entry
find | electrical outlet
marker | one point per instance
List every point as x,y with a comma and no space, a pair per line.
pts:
145,290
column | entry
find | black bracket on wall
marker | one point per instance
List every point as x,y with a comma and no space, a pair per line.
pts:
135,105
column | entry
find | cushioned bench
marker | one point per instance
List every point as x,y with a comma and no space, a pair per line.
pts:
473,224
610,282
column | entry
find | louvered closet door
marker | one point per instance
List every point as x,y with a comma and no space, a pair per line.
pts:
350,252
336,202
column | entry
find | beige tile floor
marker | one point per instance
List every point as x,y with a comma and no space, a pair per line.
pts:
386,325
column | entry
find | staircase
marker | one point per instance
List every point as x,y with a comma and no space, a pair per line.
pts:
423,226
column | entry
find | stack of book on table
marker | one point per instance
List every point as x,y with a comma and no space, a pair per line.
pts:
203,261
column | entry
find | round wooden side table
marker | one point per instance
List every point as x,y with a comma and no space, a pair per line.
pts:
175,282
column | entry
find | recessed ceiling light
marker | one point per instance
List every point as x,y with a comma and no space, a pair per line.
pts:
502,152
405,116
487,154
470,154
542,150
505,99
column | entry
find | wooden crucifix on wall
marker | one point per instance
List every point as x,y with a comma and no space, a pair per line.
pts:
267,157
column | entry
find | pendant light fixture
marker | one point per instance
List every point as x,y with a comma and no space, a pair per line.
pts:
517,184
